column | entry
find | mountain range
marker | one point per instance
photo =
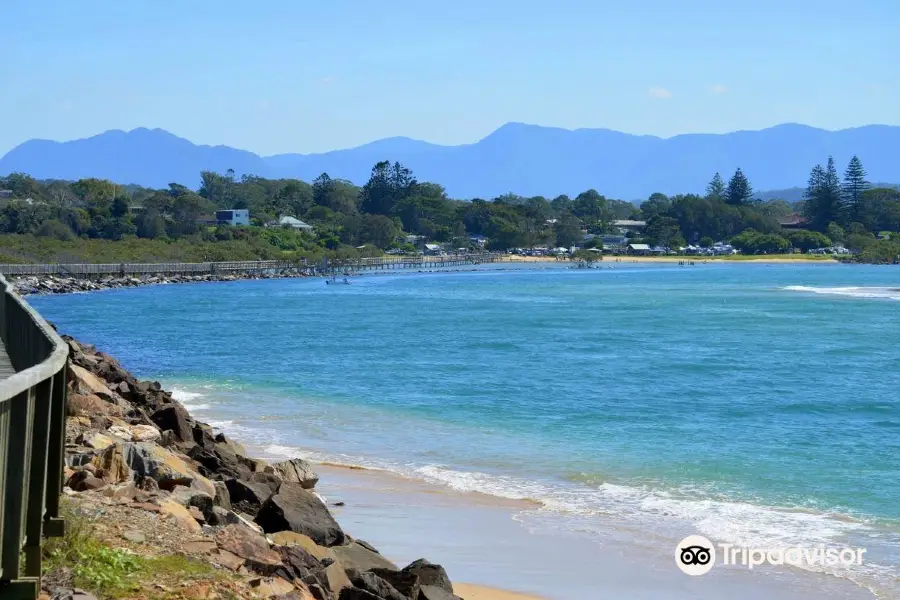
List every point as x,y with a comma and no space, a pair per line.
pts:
524,159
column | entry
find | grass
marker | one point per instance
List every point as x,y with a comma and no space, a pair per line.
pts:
738,257
113,573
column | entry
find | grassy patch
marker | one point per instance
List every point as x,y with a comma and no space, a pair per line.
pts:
739,257
113,573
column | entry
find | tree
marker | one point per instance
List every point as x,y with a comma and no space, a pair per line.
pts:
379,230
656,204
822,199
852,189
738,192
568,230
664,231
835,232
808,240
707,242
387,185
715,190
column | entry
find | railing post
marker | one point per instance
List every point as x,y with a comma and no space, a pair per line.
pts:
37,479
18,449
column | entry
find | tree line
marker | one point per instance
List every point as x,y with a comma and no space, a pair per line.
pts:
393,203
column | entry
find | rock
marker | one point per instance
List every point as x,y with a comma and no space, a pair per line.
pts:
226,559
179,513
367,545
232,445
336,578
203,503
199,591
88,404
352,593
356,556
199,547
123,492
222,497
98,441
248,496
168,469
135,536
233,518
270,586
430,574
295,509
245,543
148,506
136,433
174,417
218,462
292,538
374,584
404,582
86,382
297,470
195,512
255,465
87,483
433,592
219,516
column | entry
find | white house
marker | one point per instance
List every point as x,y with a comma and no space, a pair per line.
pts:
291,222
237,216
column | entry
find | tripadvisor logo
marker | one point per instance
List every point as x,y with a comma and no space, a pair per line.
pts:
696,555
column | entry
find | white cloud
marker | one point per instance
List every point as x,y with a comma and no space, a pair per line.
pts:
718,88
658,92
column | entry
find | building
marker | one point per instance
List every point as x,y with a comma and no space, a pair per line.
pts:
639,249
235,216
613,240
292,223
136,210
432,249
629,225
5,193
478,240
793,221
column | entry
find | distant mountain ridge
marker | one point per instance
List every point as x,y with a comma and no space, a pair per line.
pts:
524,159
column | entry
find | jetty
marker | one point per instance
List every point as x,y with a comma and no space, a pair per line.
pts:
97,271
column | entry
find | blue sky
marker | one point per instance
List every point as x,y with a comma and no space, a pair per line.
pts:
277,76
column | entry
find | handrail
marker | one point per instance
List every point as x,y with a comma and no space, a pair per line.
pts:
32,442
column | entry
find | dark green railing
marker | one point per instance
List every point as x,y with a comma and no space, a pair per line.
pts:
32,441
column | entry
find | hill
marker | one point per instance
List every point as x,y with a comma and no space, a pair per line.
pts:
525,159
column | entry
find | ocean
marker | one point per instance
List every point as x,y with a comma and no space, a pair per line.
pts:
754,404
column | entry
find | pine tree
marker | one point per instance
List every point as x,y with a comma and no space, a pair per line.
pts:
739,190
716,189
852,189
823,197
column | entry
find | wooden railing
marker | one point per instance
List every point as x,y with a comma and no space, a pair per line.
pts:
32,441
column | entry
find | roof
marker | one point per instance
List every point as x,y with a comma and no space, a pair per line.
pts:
639,246
629,223
433,246
293,222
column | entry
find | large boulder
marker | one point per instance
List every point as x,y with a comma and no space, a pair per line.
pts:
245,543
430,574
374,584
181,514
296,509
353,593
292,538
89,404
176,418
404,582
356,556
248,496
219,462
433,592
114,463
85,382
167,468
297,470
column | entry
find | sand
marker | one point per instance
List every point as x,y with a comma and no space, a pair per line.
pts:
469,591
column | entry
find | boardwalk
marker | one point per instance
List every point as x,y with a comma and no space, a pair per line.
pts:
6,368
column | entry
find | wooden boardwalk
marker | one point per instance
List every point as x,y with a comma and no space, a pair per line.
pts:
6,368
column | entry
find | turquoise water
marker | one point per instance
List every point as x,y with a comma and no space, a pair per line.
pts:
755,404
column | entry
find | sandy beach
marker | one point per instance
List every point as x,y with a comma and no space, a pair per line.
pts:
480,592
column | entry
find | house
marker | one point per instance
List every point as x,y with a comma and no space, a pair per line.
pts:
793,221
235,216
613,241
5,193
291,222
432,249
415,240
136,210
478,240
629,224
639,249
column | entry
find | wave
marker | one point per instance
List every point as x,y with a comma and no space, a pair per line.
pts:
884,293
589,505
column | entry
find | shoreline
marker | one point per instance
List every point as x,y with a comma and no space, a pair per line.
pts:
697,260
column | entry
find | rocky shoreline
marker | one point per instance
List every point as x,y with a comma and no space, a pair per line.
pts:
165,481
50,284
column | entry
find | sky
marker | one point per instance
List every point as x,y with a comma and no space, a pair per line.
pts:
277,76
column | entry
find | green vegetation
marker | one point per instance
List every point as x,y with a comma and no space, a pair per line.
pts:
113,572
98,221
